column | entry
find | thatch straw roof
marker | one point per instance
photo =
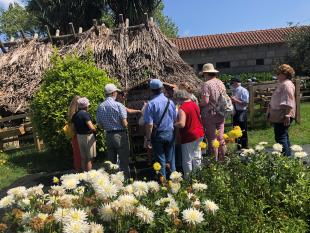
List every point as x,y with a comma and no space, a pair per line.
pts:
21,70
132,56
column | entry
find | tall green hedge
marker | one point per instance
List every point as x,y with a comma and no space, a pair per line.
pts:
260,77
68,76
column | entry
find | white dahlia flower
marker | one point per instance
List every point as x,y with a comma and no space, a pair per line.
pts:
199,187
211,206
277,147
144,214
192,216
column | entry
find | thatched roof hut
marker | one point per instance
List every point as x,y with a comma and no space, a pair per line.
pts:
21,71
131,54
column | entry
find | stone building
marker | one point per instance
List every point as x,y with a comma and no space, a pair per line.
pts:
252,51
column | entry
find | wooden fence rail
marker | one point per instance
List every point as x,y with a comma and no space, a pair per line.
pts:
23,131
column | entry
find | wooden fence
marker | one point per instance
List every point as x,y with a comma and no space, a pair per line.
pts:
20,132
260,95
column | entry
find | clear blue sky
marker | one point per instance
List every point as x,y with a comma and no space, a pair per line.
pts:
201,17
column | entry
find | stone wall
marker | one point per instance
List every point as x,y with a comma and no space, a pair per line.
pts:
240,59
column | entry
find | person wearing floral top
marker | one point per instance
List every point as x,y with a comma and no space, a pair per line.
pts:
212,121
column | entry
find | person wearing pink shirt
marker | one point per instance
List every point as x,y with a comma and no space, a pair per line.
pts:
282,107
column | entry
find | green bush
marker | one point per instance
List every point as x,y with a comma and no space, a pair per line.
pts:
68,76
260,77
265,193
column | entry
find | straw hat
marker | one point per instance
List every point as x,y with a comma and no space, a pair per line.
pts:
209,68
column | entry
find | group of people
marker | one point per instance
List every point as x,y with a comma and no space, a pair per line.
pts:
191,118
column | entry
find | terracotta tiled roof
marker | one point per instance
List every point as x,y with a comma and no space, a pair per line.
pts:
269,36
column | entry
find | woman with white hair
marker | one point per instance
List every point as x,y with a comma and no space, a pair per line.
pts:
85,134
190,129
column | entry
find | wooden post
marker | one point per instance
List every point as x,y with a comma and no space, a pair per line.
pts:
23,35
121,19
96,27
36,36
80,30
297,97
2,47
146,18
251,105
48,34
57,33
72,29
37,141
151,22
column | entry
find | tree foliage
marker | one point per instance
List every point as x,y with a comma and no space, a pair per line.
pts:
133,9
166,25
299,46
15,19
68,76
58,14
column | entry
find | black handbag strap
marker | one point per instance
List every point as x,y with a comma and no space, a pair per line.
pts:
164,113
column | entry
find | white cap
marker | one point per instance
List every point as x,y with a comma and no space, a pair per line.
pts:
110,88
83,102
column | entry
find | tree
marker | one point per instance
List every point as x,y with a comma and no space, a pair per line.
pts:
15,19
299,47
58,14
134,10
165,24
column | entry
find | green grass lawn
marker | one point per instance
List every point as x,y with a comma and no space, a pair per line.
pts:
28,161
20,163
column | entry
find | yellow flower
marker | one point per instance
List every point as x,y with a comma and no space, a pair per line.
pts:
170,183
156,166
225,136
235,133
217,132
203,145
216,143
237,128
55,180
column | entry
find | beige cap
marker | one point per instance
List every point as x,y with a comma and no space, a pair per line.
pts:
110,88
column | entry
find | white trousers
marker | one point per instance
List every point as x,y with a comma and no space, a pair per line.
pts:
191,156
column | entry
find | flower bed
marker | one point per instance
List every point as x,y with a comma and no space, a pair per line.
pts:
248,192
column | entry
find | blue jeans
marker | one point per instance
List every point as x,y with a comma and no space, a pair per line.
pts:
281,136
164,150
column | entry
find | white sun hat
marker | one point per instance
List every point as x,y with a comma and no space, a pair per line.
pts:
209,68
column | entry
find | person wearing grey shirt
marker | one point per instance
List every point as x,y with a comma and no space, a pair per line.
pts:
240,100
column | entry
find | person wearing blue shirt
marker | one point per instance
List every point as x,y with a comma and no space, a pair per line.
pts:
112,117
160,135
240,100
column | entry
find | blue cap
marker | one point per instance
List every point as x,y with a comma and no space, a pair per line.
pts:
156,84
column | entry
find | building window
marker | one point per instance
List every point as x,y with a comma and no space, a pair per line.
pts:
260,62
200,67
221,65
